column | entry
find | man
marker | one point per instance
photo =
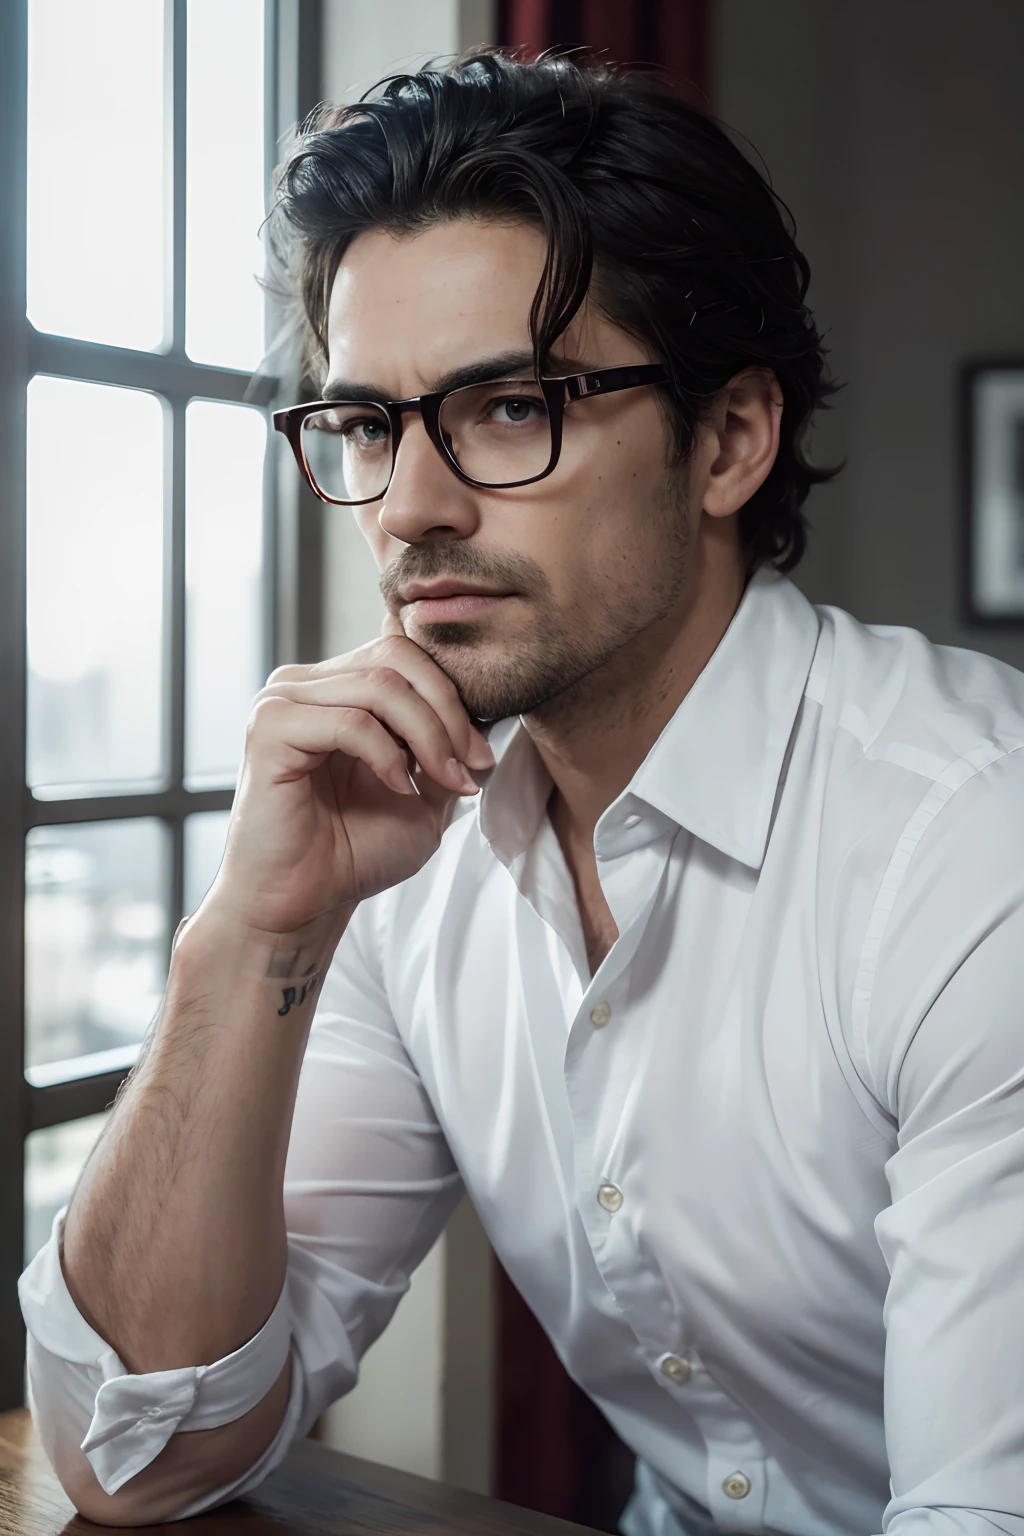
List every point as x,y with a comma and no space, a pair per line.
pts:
711,1000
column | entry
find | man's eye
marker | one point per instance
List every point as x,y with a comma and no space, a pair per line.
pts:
513,410
365,433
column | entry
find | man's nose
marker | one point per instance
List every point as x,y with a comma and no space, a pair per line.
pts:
425,499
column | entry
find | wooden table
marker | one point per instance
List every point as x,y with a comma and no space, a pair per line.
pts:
315,1492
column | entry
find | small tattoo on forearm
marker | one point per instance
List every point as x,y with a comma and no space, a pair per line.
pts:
293,996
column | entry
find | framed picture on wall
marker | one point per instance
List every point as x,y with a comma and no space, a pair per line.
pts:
992,435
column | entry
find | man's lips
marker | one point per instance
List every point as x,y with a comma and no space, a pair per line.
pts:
440,602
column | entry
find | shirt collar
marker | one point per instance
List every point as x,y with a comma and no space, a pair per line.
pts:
716,766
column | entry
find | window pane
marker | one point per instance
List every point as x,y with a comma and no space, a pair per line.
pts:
95,170
224,662
225,192
96,936
205,835
53,1160
95,584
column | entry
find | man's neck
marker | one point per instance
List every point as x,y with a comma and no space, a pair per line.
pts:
594,738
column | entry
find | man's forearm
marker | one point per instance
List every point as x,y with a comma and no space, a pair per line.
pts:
174,1243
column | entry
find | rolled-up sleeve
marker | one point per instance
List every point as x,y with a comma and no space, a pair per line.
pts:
369,1186
945,1038
76,1379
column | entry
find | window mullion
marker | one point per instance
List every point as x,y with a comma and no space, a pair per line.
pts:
173,377
297,554
61,1102
170,804
13,373
175,630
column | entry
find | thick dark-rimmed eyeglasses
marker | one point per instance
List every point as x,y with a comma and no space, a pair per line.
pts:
495,435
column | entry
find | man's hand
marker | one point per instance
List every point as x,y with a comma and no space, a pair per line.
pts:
351,769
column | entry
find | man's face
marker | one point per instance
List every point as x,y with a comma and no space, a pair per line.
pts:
574,569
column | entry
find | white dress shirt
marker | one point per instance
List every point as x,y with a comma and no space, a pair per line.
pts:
760,1177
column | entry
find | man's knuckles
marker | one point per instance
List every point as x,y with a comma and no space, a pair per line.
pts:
383,679
264,716
287,674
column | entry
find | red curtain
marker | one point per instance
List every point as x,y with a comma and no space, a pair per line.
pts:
555,1452
671,33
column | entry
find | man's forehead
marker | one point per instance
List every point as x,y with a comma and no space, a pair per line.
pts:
410,314
426,303
461,266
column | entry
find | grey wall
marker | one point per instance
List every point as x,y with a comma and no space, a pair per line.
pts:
895,131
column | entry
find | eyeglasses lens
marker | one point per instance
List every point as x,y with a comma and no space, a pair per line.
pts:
348,451
498,433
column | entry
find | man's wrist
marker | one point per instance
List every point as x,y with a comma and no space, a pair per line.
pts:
214,942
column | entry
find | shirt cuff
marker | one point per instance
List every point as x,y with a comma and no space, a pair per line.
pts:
135,1416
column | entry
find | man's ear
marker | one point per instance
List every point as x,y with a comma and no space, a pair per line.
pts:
743,440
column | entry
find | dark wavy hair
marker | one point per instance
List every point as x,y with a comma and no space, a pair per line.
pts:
688,247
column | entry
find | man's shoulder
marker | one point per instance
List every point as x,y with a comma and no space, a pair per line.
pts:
940,712
922,830
921,752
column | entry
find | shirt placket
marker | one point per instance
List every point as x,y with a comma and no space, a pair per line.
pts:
597,1075
594,1063
597,1078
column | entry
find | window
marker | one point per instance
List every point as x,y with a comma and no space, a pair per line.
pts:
144,575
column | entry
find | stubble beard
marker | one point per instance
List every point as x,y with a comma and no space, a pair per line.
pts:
520,677
570,655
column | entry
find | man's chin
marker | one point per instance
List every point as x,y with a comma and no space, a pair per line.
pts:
505,690
499,675
482,673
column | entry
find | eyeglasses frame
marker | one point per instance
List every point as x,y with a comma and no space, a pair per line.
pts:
558,392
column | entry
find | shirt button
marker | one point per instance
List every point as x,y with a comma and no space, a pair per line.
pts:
631,822
736,1485
610,1196
676,1370
600,1014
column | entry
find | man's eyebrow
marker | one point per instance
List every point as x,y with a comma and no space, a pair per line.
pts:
345,389
508,365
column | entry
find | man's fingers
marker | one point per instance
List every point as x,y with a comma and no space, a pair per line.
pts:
440,693
390,700
283,736
397,653
286,735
